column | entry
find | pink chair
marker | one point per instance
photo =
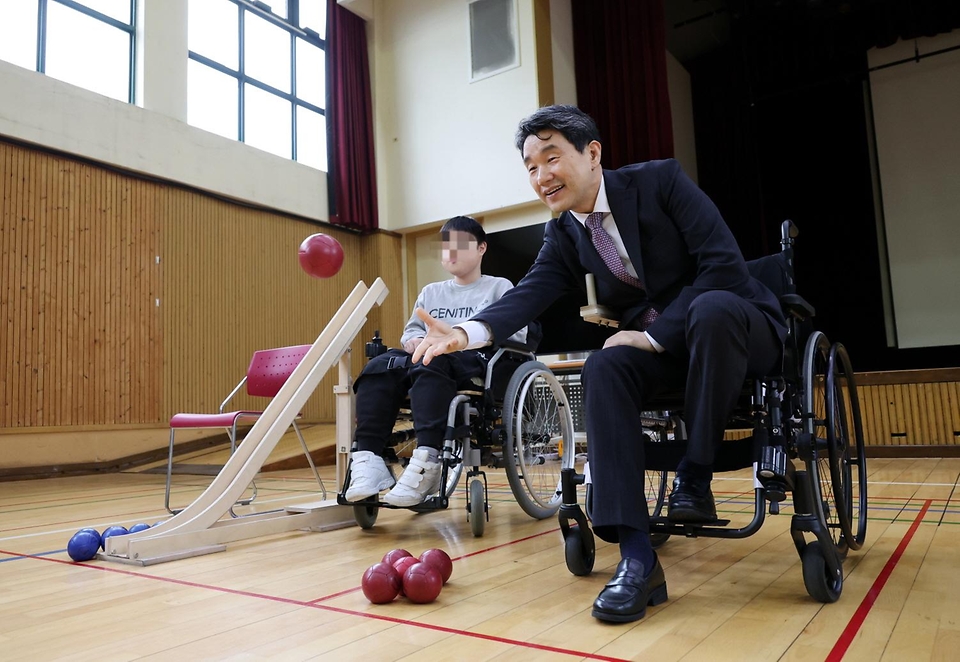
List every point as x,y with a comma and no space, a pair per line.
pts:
268,371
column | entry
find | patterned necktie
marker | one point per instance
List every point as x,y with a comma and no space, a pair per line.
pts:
603,242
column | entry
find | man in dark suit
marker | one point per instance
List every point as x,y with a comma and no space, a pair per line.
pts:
690,313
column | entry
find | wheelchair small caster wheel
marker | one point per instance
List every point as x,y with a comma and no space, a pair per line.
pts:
477,508
580,551
817,578
366,516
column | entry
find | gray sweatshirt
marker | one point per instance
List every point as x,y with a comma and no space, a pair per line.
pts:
454,303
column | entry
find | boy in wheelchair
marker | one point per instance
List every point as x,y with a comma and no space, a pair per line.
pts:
387,379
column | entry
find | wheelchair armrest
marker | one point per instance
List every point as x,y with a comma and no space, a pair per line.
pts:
516,346
797,306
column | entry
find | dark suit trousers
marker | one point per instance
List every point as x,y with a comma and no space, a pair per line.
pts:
384,383
728,339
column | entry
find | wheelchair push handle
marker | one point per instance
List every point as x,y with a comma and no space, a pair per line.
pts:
788,232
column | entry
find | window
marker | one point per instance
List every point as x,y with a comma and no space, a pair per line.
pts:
89,43
257,74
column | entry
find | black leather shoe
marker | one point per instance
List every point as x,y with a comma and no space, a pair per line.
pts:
691,501
626,596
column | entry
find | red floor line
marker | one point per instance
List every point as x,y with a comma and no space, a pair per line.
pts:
848,634
340,610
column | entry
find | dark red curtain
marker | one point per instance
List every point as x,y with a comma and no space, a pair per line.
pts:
351,166
621,71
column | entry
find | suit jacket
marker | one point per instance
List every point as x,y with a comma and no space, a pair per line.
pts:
676,240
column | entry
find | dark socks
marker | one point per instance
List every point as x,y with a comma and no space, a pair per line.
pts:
635,544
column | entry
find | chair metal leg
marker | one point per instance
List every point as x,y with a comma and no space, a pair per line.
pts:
166,496
313,467
253,483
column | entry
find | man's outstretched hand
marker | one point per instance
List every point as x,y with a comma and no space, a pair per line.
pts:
441,338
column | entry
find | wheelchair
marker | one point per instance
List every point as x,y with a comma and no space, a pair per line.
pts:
809,415
516,417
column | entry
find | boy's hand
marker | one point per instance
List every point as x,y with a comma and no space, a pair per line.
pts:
441,338
411,345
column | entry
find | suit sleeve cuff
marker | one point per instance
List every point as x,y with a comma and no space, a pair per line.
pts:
657,346
478,334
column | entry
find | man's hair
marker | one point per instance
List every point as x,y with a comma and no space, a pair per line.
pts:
464,224
571,122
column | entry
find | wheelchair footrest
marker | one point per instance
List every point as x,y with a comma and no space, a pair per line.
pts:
664,525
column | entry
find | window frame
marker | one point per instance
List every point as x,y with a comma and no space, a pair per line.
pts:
129,28
291,26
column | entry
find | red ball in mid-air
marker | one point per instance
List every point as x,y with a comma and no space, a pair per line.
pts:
440,560
394,555
422,583
381,583
321,255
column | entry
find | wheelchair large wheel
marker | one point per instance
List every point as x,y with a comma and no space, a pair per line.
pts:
539,440
656,489
845,447
828,503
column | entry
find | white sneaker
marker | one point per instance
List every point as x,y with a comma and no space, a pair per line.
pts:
419,480
369,475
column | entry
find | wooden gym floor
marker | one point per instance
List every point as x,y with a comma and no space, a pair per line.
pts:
296,596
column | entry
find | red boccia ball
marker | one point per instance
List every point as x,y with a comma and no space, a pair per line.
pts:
422,583
381,583
394,555
321,255
402,564
440,560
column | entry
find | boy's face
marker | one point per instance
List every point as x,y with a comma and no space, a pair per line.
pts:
459,252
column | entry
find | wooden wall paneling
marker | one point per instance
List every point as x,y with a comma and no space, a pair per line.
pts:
952,404
32,234
71,293
15,386
6,283
917,407
935,414
944,413
889,414
868,414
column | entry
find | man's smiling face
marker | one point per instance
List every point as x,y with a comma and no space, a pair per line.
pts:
563,178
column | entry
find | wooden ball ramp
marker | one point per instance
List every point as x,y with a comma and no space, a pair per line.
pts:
200,528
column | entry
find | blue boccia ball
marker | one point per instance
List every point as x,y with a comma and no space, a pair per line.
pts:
136,528
95,532
112,531
84,545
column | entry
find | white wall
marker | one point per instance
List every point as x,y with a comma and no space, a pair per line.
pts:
916,111
444,144
154,139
